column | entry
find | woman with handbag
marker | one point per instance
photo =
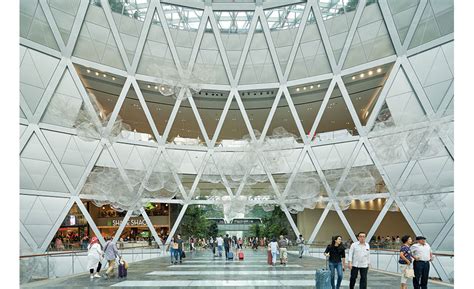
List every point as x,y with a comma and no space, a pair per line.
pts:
94,256
405,261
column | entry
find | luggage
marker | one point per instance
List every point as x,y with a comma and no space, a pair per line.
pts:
230,255
241,255
183,255
122,270
323,278
269,257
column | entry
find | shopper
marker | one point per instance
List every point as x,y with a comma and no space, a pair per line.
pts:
111,253
300,243
359,261
337,260
94,256
240,243
172,247
423,255
283,245
220,243
405,260
273,246
227,244
179,251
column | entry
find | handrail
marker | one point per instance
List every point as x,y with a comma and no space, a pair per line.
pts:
76,251
386,250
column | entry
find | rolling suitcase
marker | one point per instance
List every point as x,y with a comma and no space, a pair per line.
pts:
241,255
122,268
230,255
323,278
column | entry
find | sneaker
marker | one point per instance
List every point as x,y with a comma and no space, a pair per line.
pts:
92,276
97,275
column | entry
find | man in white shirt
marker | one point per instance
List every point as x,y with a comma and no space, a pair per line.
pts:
422,254
300,243
220,243
359,260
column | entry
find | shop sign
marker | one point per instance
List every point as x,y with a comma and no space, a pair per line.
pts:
133,222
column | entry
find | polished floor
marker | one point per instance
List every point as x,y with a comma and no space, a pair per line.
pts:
201,270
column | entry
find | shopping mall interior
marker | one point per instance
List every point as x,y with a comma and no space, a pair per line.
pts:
144,119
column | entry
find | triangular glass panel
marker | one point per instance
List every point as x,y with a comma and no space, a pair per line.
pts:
364,88
129,17
402,14
363,181
183,24
37,172
433,69
103,90
209,67
162,184
64,108
95,41
159,105
108,219
36,70
132,120
41,213
280,163
259,66
307,185
73,153
185,129
311,58
257,104
338,20
33,24
370,210
332,225
336,121
432,213
74,233
234,27
437,20
283,23
210,105
308,100
260,191
64,14
283,125
371,40
211,183
234,132
402,106
156,59
387,228
158,212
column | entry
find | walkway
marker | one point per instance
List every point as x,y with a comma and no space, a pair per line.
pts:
202,270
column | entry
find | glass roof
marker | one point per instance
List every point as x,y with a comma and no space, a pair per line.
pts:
285,17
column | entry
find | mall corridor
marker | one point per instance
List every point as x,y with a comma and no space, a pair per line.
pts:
202,270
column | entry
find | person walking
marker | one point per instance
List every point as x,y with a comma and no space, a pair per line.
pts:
300,243
240,243
405,260
212,247
359,261
220,243
421,252
283,245
111,253
273,247
226,245
172,247
337,260
179,251
94,256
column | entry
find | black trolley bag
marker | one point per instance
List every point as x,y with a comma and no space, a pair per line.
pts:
323,278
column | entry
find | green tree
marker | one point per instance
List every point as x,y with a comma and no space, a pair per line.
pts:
194,223
277,224
212,230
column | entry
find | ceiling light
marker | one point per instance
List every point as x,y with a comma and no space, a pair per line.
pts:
319,85
104,75
353,78
370,72
311,87
162,88
113,78
304,88
96,73
362,75
379,70
298,89
88,71
148,86
156,87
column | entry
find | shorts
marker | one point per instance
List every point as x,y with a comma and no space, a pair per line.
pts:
404,279
283,253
